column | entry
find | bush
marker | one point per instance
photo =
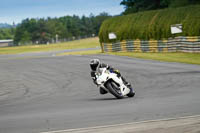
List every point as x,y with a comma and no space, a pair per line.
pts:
153,24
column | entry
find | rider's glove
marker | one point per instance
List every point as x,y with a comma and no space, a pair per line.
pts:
93,77
93,74
115,71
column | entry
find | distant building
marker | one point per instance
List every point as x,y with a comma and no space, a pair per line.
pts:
6,43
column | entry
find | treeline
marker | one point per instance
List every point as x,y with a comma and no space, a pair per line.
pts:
133,6
42,31
7,33
152,24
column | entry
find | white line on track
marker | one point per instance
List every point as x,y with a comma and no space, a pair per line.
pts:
124,124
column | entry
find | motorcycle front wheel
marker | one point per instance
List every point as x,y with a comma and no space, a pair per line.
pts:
114,89
131,94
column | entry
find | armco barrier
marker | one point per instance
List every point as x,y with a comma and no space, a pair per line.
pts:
177,44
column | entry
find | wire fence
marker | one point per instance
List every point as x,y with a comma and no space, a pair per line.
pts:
55,40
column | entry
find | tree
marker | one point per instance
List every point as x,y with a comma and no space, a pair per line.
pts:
7,33
26,38
179,3
132,6
45,30
99,19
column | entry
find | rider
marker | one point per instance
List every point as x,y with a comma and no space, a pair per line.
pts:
95,64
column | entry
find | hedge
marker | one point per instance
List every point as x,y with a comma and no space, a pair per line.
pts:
153,24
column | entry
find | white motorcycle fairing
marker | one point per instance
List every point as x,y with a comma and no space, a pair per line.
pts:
103,76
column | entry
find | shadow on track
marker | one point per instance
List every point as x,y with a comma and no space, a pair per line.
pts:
103,99
108,99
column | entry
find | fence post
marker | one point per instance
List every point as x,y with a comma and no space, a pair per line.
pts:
177,44
137,44
102,47
123,46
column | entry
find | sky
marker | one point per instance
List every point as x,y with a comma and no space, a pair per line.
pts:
17,10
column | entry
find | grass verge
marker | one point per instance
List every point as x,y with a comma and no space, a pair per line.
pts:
189,58
89,52
78,44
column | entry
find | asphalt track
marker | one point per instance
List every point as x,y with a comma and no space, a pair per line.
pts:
40,93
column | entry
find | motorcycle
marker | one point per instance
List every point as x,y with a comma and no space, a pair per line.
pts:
113,84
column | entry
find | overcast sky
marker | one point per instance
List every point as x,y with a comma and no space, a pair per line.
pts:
16,10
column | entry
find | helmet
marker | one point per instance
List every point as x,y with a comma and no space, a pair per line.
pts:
94,64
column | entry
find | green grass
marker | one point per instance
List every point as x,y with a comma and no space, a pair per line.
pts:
84,43
189,58
89,52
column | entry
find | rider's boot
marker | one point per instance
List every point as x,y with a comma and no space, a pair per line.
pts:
123,79
102,91
125,82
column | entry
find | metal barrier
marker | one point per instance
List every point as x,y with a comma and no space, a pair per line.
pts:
177,44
